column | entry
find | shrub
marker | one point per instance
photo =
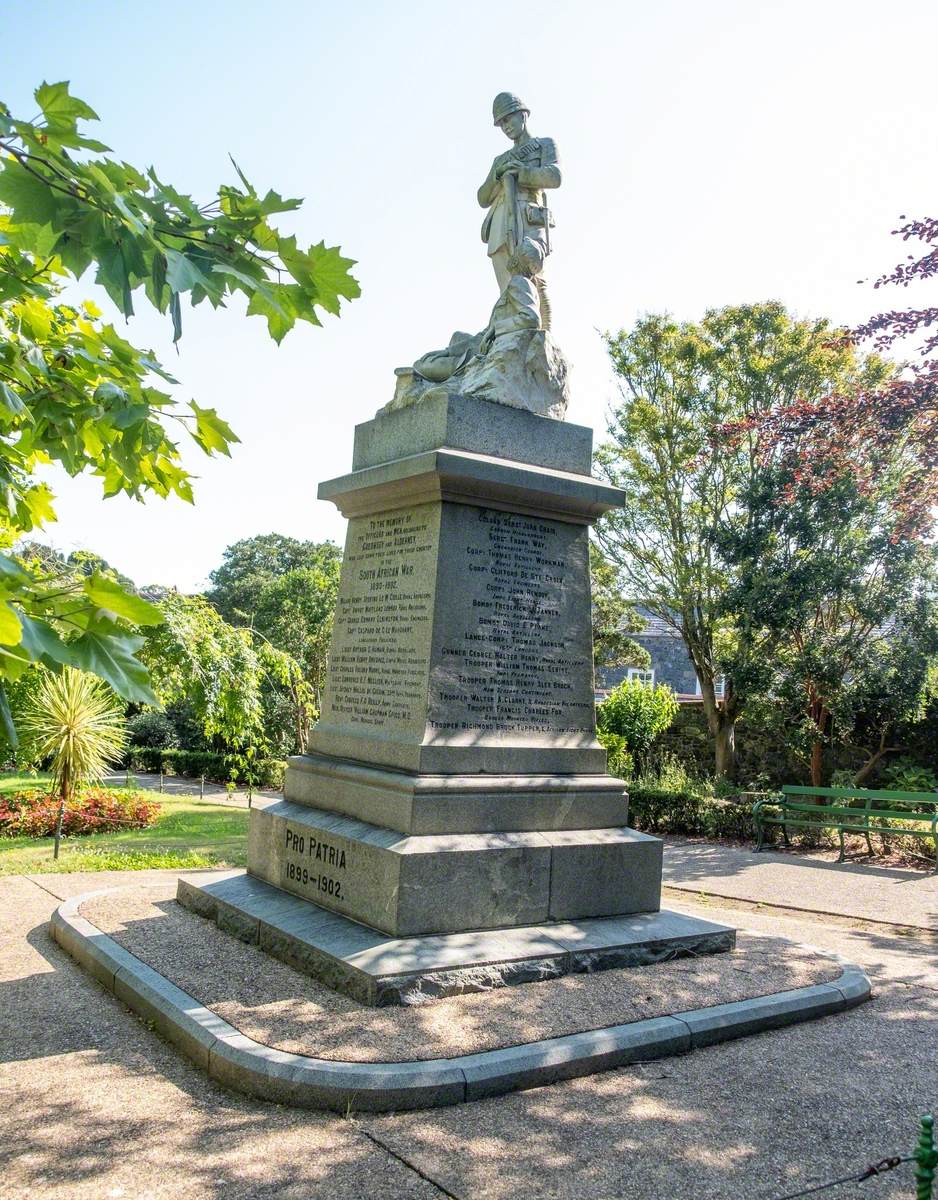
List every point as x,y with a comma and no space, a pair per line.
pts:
153,729
267,772
618,759
271,772
94,810
904,775
666,771
662,810
637,714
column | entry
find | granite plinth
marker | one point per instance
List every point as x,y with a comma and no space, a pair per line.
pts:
462,640
454,782
378,970
406,884
475,424
412,803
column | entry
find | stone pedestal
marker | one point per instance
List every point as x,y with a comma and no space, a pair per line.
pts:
454,781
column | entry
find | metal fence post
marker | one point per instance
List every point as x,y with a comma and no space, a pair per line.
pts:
926,1159
202,788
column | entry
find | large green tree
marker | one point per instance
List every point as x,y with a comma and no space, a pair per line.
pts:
296,612
284,590
219,671
250,565
892,695
685,480
75,392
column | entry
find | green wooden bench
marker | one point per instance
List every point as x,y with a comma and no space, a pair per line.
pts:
849,810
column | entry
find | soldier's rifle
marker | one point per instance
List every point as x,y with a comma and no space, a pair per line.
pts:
510,181
515,226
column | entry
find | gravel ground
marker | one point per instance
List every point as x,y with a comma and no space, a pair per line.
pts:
278,1006
755,1119
95,1107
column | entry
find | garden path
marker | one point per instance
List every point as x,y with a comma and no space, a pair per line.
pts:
815,883
183,785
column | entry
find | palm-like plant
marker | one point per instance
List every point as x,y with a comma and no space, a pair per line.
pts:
75,721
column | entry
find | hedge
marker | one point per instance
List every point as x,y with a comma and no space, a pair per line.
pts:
268,772
660,810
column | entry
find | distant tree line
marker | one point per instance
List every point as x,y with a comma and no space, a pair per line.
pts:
239,670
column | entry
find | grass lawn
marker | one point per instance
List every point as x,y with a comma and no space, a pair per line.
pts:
189,833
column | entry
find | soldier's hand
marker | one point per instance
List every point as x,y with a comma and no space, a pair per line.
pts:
511,167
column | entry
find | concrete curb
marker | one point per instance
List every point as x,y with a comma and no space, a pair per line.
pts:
248,1066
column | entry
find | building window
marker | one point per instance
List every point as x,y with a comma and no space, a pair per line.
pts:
718,686
642,675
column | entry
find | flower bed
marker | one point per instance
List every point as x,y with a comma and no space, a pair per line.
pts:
95,810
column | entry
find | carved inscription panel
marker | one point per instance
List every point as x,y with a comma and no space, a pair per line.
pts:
379,662
314,867
338,872
513,648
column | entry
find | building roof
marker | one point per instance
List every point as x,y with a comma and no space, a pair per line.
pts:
654,626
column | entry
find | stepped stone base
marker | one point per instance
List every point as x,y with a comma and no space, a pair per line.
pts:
413,803
405,884
379,970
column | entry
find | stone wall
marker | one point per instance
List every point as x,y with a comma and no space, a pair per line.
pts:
669,659
763,750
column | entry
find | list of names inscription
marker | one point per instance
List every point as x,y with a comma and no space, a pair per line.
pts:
379,660
515,655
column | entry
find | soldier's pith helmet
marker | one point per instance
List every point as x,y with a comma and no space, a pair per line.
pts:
505,104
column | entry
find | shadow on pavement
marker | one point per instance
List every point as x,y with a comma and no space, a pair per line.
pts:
98,1106
700,860
757,1118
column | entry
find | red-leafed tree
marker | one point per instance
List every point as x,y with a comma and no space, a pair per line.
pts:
835,559
898,419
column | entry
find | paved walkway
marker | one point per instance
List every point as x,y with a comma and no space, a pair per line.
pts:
93,1106
184,785
813,883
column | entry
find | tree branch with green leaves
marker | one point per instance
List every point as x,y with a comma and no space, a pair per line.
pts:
75,392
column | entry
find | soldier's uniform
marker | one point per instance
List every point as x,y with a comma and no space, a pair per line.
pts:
504,231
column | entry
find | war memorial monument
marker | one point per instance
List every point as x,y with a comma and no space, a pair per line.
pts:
452,826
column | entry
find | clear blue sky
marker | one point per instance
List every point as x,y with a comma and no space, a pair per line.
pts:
713,153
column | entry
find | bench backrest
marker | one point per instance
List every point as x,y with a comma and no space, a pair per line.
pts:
848,793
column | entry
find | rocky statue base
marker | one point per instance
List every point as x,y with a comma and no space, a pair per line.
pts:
524,369
453,817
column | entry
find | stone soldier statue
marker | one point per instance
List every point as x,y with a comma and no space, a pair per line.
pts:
517,225
514,360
